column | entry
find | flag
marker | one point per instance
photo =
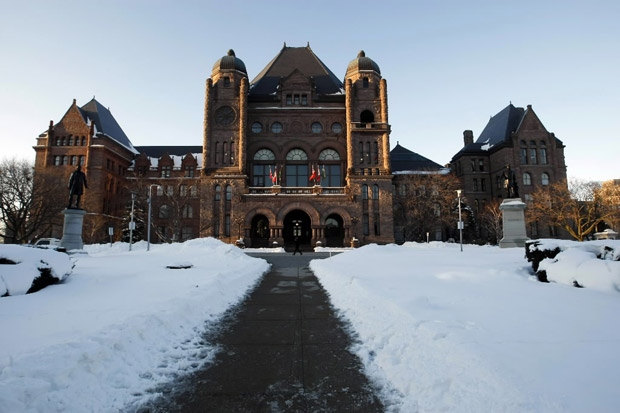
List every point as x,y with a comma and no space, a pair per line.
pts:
318,175
280,175
323,174
313,176
270,176
275,175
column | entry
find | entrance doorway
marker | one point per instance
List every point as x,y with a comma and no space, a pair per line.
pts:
297,224
334,231
259,233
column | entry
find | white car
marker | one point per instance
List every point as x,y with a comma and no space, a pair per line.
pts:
47,243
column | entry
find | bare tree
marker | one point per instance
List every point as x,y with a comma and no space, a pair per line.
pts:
425,203
491,220
29,203
577,207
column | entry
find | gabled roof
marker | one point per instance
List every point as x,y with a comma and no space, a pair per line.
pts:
289,59
402,159
501,125
105,123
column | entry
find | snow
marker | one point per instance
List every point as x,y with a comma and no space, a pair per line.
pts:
16,279
437,329
445,330
118,326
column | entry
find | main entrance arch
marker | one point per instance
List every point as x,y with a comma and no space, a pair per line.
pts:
259,233
297,223
334,231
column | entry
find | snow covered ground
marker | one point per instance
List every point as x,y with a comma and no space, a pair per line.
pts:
473,331
120,324
439,330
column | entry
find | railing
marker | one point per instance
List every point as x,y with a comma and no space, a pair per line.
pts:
371,126
287,190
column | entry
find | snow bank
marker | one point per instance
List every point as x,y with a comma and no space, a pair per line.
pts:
441,330
30,263
119,326
590,264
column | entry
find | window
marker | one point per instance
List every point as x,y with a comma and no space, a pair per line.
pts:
70,141
276,127
367,117
160,190
296,99
364,192
481,165
365,224
164,211
437,209
257,127
82,159
166,170
218,192
403,190
183,190
64,141
361,150
475,184
375,222
218,153
365,82
375,152
74,160
375,192
527,179
304,100
262,175
330,175
65,160
289,99
264,155
83,141
297,175
472,164
216,228
317,127
533,156
544,178
186,233
188,211
296,155
58,141
57,160
169,190
225,157
336,127
543,156
483,184
329,155
193,191
227,225
523,156
189,171
228,193
226,82
528,198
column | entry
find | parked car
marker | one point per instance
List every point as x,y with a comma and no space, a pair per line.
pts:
47,243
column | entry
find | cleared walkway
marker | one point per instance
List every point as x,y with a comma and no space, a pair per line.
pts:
283,350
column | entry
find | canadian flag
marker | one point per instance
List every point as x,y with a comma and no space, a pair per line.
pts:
275,175
313,176
270,175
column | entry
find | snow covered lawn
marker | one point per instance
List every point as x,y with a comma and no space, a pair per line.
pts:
442,330
120,324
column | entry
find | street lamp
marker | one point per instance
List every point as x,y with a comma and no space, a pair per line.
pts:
458,193
132,225
148,231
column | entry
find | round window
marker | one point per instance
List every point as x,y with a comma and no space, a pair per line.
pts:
257,127
276,127
336,127
316,127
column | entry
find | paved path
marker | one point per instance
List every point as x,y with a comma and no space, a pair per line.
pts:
284,350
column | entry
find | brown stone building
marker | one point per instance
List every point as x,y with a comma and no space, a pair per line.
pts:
515,137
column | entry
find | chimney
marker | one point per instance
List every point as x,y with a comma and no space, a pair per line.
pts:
468,137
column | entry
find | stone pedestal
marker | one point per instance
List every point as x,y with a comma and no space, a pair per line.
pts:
72,229
513,218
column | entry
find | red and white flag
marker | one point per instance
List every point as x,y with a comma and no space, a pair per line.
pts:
313,176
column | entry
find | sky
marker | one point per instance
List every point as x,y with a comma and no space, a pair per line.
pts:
450,65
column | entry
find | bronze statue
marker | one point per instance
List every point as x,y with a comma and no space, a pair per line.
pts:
77,183
510,183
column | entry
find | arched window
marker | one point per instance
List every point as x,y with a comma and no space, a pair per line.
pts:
65,160
527,179
543,152
64,141
57,160
296,155
544,178
164,211
364,192
58,141
228,192
329,155
375,192
71,140
367,117
264,155
83,140
218,192
188,211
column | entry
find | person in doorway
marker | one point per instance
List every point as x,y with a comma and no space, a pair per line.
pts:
297,250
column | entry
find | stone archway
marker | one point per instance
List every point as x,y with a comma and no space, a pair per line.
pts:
259,231
297,223
334,231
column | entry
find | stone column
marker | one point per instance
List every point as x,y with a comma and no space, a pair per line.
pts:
72,229
243,112
513,219
349,119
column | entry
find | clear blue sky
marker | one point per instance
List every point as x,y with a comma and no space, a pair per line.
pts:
449,65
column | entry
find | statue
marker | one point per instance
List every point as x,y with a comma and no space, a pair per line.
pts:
77,183
510,183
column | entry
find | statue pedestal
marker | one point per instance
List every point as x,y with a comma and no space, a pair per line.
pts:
72,229
513,219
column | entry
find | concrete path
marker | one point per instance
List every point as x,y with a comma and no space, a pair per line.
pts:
283,350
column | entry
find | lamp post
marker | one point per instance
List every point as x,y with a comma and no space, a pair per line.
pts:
132,225
148,230
458,193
